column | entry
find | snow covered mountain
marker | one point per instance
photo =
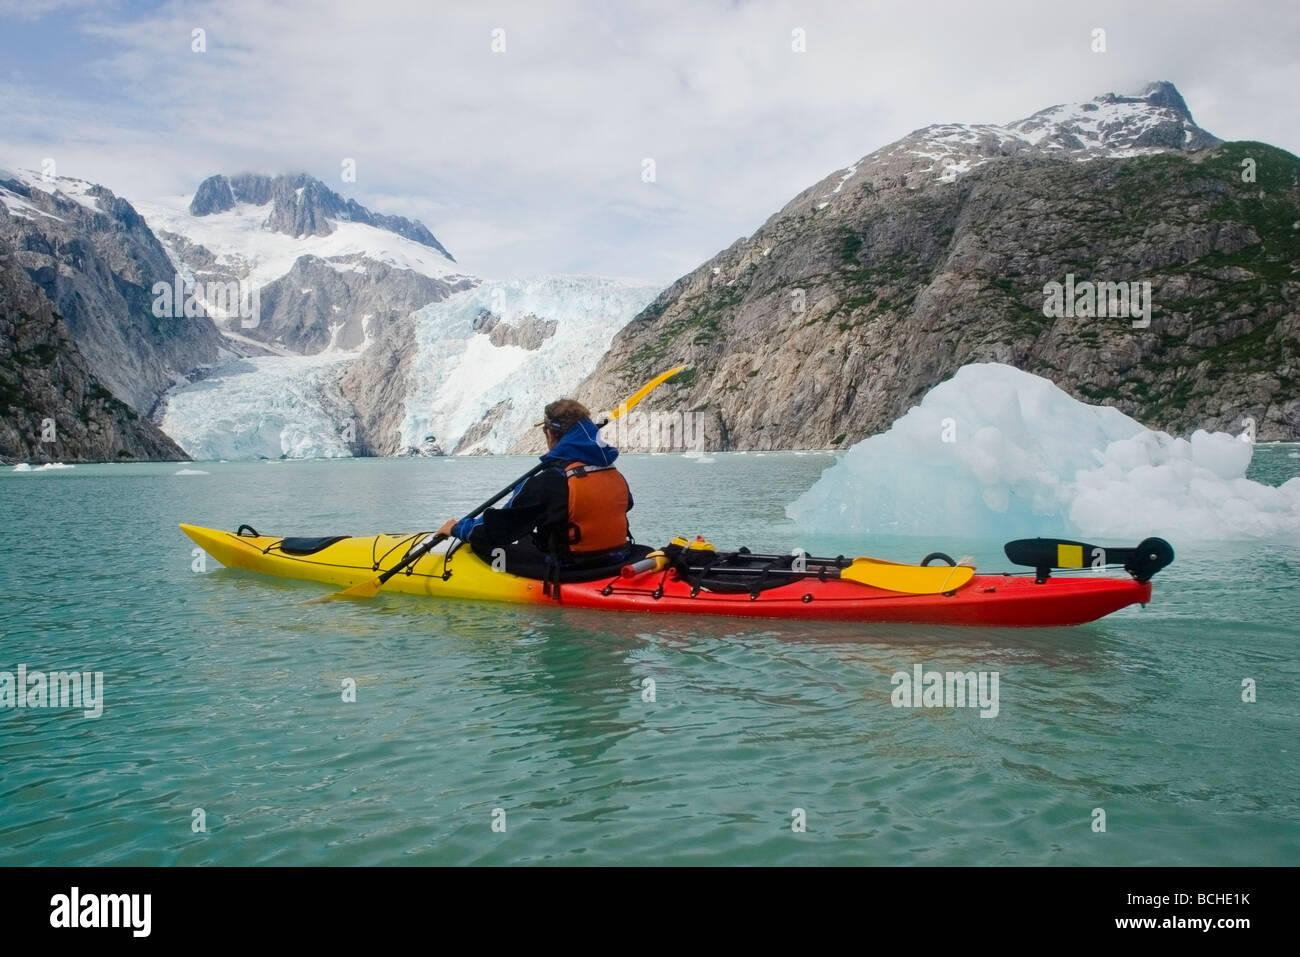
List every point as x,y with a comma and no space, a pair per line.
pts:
1111,125
328,273
300,205
384,345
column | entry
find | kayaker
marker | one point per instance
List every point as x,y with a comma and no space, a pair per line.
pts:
572,515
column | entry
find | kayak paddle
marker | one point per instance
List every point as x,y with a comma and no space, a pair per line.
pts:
909,579
370,587
1044,554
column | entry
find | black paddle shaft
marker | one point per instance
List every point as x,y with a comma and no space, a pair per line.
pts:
416,554
1043,554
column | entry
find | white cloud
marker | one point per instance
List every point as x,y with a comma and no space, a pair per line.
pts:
540,148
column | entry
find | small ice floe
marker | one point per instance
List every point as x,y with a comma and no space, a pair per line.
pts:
191,472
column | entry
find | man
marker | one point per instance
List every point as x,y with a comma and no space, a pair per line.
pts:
572,515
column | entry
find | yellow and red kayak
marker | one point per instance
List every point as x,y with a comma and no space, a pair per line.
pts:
957,596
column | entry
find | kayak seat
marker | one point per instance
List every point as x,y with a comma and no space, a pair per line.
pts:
309,546
527,562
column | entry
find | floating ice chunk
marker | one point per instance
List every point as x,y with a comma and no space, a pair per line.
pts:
997,452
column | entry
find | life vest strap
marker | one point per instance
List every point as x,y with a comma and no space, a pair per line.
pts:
581,469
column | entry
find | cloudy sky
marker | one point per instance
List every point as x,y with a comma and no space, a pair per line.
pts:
530,160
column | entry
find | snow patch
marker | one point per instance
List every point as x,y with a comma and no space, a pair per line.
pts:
848,174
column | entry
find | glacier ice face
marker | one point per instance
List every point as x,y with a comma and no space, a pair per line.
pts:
290,406
459,375
997,452
267,407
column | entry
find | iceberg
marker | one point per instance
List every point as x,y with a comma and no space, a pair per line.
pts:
998,452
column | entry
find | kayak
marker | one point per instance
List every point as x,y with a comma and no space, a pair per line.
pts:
747,586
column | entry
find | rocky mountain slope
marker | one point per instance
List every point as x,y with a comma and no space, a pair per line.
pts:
52,407
96,259
883,279
324,304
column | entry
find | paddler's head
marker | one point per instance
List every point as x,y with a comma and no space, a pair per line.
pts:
560,416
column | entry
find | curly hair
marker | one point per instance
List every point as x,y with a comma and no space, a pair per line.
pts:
564,414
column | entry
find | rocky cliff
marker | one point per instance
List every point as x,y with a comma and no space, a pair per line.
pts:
883,279
52,407
97,261
341,303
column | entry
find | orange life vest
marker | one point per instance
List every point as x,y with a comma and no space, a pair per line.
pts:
598,504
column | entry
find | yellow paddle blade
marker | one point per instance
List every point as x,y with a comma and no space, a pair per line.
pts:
631,402
362,590
909,579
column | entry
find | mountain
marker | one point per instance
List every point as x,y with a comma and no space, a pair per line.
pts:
97,261
875,284
328,273
383,344
300,205
52,407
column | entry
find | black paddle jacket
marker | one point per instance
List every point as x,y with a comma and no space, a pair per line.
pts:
539,511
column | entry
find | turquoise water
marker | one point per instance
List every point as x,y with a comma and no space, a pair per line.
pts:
222,691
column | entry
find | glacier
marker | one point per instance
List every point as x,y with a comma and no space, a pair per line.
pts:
267,407
458,375
998,452
291,407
